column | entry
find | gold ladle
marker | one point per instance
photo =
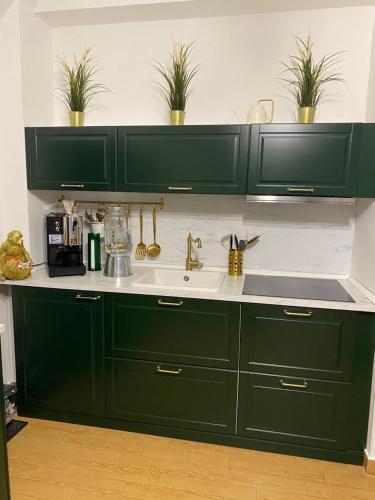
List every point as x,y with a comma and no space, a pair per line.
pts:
154,249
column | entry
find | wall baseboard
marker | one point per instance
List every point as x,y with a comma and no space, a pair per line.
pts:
369,464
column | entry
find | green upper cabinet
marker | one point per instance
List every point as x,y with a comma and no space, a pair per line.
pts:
366,167
304,160
4,479
188,159
59,350
75,158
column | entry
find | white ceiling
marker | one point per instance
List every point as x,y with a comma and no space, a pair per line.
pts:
80,12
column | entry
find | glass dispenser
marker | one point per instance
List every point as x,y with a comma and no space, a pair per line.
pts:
118,244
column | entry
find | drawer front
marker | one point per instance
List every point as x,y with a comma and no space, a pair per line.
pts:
169,329
293,410
189,159
298,342
172,395
73,158
304,160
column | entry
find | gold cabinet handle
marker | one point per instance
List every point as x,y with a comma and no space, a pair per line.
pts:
168,372
300,190
298,386
307,314
87,297
180,188
170,304
79,186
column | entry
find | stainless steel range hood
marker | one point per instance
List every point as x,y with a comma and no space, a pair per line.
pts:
265,198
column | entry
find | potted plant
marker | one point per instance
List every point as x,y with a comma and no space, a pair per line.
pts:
178,75
308,78
78,87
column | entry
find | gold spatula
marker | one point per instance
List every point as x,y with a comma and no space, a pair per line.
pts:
140,251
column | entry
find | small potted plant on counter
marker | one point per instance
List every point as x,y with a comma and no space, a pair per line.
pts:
78,86
178,75
309,77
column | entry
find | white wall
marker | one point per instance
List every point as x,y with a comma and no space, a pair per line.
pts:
240,63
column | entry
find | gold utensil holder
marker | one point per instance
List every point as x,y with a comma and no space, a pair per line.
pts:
235,261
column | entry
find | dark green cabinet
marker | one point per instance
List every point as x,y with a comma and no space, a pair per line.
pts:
308,160
172,395
4,479
366,166
293,410
169,329
74,158
59,350
189,159
305,342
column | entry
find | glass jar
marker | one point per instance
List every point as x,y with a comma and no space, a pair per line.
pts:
117,232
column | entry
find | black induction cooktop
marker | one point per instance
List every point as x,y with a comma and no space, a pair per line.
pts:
295,288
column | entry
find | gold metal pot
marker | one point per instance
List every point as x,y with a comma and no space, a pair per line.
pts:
76,118
177,117
306,114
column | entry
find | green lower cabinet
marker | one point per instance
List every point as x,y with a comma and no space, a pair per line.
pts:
59,350
4,478
172,395
170,329
306,342
294,411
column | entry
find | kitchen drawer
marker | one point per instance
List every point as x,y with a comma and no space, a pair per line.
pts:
297,341
293,410
172,395
170,329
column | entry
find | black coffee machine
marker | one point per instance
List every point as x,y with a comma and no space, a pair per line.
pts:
65,244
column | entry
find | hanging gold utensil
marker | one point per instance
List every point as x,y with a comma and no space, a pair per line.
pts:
154,249
140,252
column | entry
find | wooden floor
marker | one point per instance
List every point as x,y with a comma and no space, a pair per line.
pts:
51,460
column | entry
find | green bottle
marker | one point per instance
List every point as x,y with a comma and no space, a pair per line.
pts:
94,252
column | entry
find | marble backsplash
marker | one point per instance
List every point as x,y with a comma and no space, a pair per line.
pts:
303,237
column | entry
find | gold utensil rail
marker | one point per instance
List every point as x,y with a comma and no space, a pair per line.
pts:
159,203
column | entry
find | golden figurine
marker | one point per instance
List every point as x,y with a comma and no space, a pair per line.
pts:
15,262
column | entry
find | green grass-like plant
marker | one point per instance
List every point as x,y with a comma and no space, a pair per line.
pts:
308,77
178,76
78,86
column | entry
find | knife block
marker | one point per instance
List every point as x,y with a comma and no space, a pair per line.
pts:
235,262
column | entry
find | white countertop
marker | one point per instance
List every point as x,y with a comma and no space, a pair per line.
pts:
230,290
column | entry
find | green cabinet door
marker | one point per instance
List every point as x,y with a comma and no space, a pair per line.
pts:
188,159
4,479
59,350
74,158
304,160
366,167
169,329
305,342
172,395
293,410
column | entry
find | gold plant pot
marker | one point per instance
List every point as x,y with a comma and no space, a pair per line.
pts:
177,117
76,118
306,114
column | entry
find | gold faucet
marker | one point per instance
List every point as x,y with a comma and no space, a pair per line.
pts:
191,263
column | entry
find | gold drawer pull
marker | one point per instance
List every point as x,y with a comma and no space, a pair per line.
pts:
87,297
307,314
180,188
298,386
170,304
300,190
79,186
169,372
